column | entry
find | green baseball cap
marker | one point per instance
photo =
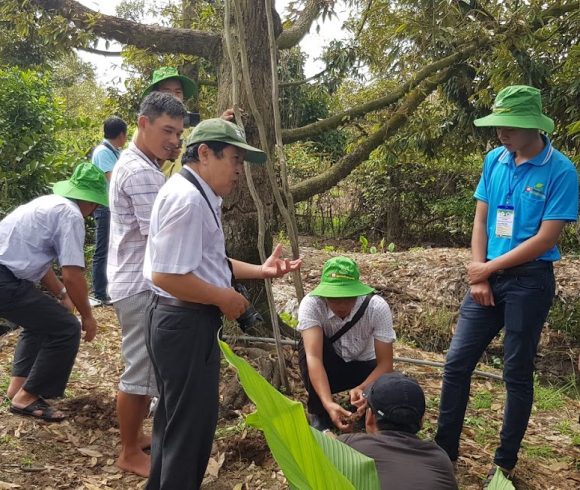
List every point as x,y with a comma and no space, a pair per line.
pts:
227,132
518,106
87,183
340,279
167,72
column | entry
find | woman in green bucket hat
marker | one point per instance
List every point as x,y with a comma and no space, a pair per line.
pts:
527,192
347,343
33,236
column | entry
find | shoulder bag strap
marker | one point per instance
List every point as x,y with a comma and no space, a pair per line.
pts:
187,175
357,316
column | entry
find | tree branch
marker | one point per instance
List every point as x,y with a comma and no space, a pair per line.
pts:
313,129
297,83
292,36
328,179
151,37
101,52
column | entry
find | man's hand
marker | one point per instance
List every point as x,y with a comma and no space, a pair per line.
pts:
232,304
478,272
274,266
340,417
67,303
229,115
89,326
482,294
358,400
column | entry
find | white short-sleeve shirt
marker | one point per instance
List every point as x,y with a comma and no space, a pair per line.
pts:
358,343
35,234
184,236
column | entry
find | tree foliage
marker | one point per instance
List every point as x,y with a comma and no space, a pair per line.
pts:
30,118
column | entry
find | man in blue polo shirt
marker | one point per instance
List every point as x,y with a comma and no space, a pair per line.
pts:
105,157
527,192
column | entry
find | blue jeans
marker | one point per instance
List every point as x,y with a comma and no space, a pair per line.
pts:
523,296
102,218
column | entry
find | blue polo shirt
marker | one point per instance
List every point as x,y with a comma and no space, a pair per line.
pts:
543,188
105,156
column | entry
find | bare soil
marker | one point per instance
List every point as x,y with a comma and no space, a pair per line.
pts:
81,452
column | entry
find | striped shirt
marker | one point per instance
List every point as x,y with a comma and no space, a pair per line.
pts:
135,182
358,344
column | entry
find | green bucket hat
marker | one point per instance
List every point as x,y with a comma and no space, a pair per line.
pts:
221,130
87,183
340,279
518,106
167,72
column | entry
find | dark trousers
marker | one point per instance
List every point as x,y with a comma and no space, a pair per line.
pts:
182,344
102,218
523,296
341,375
49,342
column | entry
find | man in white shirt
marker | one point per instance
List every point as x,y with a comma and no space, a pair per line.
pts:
32,237
135,182
187,264
347,342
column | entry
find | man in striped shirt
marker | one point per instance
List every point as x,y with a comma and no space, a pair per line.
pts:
135,182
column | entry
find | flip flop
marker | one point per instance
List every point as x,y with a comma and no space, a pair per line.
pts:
47,413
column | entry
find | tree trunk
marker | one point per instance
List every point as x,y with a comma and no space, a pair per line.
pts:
239,212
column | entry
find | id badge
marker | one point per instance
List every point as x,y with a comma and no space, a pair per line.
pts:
504,221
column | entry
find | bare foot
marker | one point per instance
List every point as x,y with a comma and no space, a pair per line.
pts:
144,441
136,462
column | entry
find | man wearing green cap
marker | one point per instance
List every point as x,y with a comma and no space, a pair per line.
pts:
32,236
192,277
527,192
347,336
167,79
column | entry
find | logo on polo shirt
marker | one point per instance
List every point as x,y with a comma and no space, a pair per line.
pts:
536,190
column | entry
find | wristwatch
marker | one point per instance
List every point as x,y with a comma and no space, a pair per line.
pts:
60,296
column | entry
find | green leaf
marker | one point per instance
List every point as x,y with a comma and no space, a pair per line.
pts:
308,458
500,482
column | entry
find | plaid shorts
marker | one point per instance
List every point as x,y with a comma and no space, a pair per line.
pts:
139,376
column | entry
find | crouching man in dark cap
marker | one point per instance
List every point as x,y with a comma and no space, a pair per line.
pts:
396,405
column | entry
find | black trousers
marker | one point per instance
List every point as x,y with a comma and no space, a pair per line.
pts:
50,338
182,344
341,375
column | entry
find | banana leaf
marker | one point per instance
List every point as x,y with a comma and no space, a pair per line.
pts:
500,482
308,458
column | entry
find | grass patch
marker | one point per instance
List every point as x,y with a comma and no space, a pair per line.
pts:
230,430
565,317
432,329
548,398
539,452
432,401
482,400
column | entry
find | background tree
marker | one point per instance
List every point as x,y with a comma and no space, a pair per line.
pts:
402,90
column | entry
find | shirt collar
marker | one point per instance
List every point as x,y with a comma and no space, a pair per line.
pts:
133,147
539,160
215,200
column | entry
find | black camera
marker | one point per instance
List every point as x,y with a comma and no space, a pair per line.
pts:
191,119
251,316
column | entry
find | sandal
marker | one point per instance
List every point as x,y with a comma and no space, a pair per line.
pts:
504,481
47,413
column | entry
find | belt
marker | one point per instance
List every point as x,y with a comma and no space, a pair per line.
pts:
536,265
190,305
